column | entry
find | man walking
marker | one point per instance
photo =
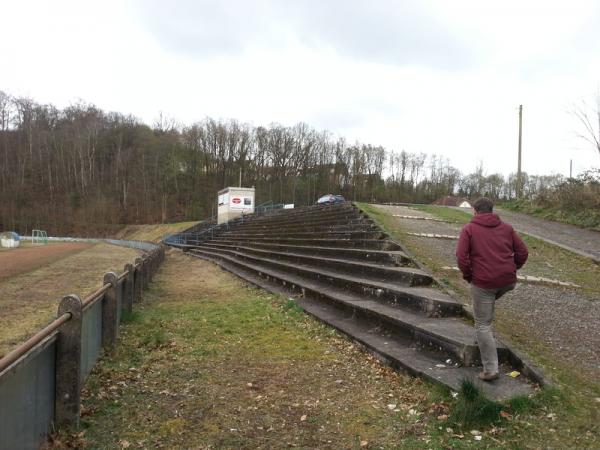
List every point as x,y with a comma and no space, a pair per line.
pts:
489,253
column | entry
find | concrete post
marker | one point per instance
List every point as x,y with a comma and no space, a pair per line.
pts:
67,398
128,288
110,327
138,279
146,272
150,262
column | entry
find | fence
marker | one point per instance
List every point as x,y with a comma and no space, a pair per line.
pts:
41,380
208,229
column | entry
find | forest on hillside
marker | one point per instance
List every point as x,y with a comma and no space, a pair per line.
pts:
84,171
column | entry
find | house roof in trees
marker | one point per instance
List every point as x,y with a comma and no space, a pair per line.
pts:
451,200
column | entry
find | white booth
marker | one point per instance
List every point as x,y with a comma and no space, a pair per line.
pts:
9,239
233,202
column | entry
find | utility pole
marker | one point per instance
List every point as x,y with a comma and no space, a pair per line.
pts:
571,168
240,185
519,175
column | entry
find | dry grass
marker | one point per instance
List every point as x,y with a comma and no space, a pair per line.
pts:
207,362
211,363
153,233
30,300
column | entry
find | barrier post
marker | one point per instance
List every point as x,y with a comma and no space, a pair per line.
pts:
138,279
128,288
67,399
146,272
110,328
150,267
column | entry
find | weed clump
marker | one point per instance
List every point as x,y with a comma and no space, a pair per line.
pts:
292,308
130,316
473,408
154,339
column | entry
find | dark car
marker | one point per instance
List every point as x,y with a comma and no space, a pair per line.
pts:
331,199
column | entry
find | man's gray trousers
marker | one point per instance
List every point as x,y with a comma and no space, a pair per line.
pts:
483,311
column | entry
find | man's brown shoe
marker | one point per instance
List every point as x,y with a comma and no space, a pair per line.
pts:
485,376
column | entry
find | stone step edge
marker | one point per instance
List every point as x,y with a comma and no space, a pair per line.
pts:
316,219
357,251
519,359
433,374
276,240
325,259
432,337
302,214
346,278
346,235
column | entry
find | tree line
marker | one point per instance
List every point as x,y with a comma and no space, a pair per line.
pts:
81,170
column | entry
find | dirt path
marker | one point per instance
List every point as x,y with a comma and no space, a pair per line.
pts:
582,241
28,258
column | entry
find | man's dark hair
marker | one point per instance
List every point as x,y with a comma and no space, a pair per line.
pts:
483,205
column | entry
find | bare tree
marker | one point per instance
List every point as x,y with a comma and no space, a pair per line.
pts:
588,114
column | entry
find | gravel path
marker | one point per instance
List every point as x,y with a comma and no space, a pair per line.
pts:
582,241
566,320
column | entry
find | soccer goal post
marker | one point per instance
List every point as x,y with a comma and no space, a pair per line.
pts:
39,237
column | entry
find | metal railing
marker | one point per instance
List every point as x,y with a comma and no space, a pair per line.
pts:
209,228
41,379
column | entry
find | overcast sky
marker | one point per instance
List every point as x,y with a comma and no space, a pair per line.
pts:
442,77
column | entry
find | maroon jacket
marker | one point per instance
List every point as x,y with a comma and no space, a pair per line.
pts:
489,252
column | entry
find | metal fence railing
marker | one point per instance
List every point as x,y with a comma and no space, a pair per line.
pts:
41,379
209,228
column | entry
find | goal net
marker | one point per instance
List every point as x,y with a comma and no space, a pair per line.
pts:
39,237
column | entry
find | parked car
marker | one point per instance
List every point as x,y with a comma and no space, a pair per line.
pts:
331,199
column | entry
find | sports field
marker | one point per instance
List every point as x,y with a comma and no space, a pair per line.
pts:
29,257
34,278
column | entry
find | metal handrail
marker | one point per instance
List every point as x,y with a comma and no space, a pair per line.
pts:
34,340
94,296
12,356
190,236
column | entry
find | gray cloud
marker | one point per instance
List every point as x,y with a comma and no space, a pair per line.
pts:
385,31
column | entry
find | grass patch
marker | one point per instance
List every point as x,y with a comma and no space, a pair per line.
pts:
210,363
585,218
550,261
473,409
445,213
154,232
291,307
130,316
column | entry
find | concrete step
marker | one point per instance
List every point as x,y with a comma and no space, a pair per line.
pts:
447,338
365,244
307,210
396,351
406,276
300,229
392,257
403,355
306,214
312,235
429,301
338,216
315,224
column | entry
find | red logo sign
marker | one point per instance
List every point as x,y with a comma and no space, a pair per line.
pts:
236,200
